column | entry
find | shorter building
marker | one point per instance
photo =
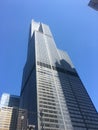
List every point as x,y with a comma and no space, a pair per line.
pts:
9,108
9,100
93,4
8,118
11,116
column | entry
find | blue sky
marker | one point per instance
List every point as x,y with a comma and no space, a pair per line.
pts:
75,29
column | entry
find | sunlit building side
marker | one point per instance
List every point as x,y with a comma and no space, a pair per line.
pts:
8,118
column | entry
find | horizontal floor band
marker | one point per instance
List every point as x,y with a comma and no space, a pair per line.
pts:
58,69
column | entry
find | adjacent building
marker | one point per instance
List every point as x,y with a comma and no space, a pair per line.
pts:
52,91
8,118
9,109
9,100
94,4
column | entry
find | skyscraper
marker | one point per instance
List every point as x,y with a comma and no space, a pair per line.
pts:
52,91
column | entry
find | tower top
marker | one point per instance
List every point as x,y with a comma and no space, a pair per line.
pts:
40,27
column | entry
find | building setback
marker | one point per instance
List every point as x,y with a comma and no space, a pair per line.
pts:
52,91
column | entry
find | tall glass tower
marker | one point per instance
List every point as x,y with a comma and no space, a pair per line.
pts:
52,91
